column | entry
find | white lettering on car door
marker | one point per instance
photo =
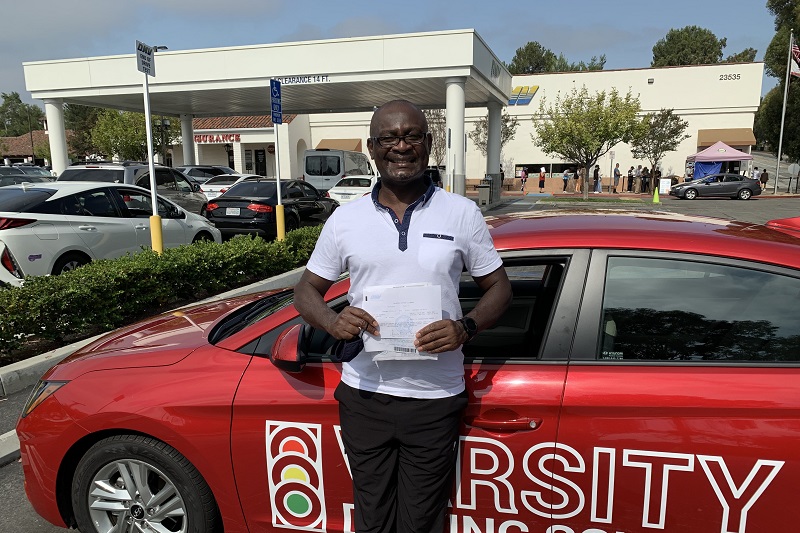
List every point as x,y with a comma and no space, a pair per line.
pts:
656,485
740,498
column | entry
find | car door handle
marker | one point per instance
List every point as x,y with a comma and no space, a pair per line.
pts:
140,226
516,424
87,227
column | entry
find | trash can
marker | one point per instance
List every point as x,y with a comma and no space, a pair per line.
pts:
484,194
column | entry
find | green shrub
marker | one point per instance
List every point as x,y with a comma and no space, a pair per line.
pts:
109,293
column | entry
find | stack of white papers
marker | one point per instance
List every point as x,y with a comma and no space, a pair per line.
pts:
401,311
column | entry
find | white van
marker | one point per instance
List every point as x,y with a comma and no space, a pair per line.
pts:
323,168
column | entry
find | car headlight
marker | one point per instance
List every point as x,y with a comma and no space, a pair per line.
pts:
42,391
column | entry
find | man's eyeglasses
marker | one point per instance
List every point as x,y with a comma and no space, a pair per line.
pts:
388,141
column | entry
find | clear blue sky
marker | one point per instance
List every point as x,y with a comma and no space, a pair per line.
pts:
624,30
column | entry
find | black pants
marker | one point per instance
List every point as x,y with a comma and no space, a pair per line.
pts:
402,453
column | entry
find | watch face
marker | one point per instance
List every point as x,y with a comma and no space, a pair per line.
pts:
470,325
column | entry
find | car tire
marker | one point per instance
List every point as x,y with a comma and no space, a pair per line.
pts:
150,466
745,194
292,223
69,261
690,194
202,237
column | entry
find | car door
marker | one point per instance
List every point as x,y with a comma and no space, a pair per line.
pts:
96,219
138,210
731,184
289,460
189,196
313,209
682,396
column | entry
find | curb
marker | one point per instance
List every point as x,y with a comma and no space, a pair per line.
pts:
9,447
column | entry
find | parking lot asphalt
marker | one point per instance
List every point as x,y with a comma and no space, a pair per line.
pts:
16,380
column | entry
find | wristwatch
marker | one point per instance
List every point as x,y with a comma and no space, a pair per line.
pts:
470,326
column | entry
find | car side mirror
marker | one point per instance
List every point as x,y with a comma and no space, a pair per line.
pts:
196,187
289,353
174,212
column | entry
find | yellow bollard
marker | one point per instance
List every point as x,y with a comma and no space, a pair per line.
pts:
280,221
156,238
655,196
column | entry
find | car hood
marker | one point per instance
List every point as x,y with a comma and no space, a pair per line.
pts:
159,341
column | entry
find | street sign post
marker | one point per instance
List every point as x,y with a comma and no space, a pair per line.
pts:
277,120
146,63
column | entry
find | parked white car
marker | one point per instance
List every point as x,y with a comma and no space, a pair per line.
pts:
352,188
219,184
50,228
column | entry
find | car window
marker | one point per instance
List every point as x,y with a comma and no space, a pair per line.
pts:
322,165
259,189
293,191
675,310
22,201
222,180
307,190
165,180
729,179
352,164
97,203
108,175
182,184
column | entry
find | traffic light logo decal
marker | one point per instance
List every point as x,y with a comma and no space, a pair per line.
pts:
294,467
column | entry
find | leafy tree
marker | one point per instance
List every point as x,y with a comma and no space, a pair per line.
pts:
41,150
533,58
661,132
18,118
693,45
480,135
768,117
580,127
437,125
80,120
121,133
748,55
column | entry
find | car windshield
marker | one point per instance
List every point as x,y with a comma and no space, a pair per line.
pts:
223,179
35,171
253,189
17,199
109,175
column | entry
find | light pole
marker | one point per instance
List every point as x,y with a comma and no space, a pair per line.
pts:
30,132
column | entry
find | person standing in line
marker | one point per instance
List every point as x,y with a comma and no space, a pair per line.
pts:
596,184
637,179
542,175
646,180
617,176
566,177
400,412
764,178
579,179
630,179
523,177
756,174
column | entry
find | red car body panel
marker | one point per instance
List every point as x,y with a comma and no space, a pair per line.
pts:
555,446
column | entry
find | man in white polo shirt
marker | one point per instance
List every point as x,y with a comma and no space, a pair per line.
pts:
401,410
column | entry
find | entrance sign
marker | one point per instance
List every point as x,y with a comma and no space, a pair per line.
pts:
275,101
145,59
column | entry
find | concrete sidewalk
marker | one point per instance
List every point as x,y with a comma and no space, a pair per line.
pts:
21,375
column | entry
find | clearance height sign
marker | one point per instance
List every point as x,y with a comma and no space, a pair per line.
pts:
550,488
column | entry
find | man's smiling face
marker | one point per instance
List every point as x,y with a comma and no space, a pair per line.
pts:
405,161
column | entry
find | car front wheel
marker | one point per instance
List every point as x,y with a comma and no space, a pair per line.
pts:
690,194
745,194
136,483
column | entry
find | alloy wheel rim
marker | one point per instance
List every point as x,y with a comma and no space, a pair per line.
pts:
132,495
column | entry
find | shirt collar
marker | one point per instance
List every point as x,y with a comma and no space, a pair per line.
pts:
422,200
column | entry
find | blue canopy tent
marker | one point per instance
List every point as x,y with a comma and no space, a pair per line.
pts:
709,161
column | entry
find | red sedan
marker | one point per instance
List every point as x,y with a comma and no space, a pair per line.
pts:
645,378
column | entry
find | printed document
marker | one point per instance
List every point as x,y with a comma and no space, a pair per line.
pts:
401,311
